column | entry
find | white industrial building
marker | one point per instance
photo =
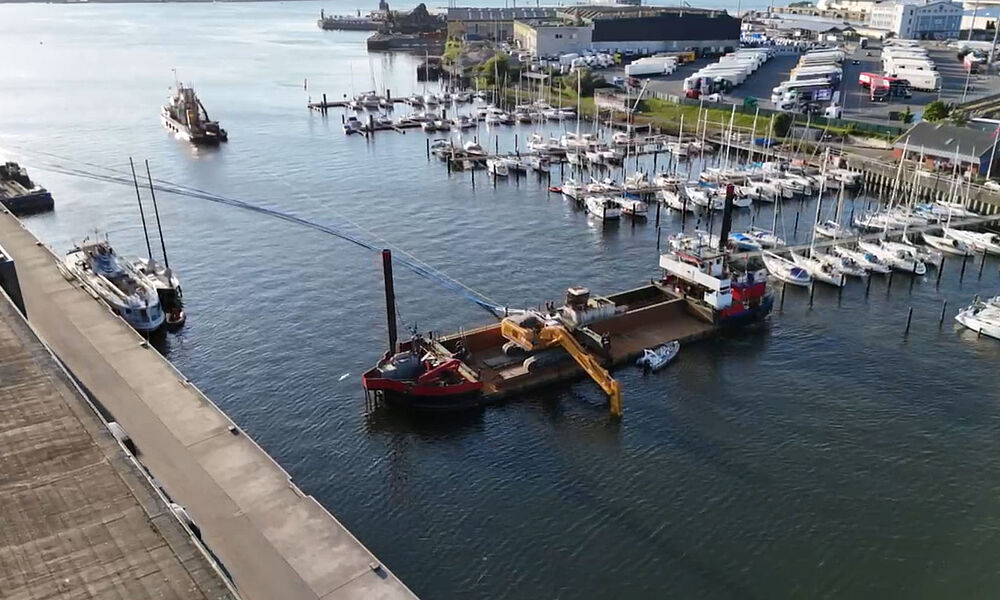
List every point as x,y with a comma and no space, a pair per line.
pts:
553,37
917,19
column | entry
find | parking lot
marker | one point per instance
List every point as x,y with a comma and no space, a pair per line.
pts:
857,103
854,99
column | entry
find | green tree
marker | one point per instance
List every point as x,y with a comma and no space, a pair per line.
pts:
907,116
935,111
588,82
498,67
782,123
959,117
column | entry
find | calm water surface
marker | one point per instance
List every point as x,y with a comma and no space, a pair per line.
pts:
823,456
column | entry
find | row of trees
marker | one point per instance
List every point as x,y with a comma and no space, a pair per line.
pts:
500,68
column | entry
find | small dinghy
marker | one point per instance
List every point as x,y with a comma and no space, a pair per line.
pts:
655,359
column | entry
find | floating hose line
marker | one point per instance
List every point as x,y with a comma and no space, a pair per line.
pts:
407,259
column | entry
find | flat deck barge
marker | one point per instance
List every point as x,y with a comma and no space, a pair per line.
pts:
19,194
653,316
700,293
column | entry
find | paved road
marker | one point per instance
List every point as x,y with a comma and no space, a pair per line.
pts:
276,542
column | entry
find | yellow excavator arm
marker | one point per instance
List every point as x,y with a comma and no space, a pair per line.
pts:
555,334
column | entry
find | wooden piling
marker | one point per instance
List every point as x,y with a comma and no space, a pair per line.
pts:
961,274
981,264
909,317
940,270
944,307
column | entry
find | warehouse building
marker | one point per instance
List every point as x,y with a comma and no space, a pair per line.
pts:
917,19
638,29
496,24
940,142
548,38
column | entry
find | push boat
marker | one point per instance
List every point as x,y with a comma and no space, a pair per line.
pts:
185,115
700,292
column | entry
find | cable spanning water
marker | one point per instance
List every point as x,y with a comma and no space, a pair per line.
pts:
407,259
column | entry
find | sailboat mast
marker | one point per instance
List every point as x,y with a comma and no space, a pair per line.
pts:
142,214
729,136
840,209
899,173
578,88
819,201
753,133
156,213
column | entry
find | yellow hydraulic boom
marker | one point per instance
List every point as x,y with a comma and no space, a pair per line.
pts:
552,333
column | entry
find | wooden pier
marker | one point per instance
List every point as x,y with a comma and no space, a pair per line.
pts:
274,540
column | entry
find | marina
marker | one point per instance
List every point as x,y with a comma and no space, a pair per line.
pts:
602,340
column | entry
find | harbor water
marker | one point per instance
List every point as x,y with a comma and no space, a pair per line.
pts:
824,454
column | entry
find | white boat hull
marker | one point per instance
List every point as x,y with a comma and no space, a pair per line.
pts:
976,322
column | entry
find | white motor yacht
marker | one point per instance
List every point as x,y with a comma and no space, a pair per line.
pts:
674,200
632,206
982,318
497,166
603,207
980,241
95,264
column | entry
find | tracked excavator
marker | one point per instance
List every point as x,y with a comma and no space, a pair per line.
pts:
533,331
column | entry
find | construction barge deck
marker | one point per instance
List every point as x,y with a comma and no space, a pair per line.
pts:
653,315
701,292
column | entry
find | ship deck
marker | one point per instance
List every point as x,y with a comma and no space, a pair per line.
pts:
654,316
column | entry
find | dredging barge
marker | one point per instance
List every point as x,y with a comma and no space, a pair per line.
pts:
701,292
185,115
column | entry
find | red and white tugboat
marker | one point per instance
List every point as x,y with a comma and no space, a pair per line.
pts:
726,293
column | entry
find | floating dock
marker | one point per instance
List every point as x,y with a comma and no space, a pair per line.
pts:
80,518
274,540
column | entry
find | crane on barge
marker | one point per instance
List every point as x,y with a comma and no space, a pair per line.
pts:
534,331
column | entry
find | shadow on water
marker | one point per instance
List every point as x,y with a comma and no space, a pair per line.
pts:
386,420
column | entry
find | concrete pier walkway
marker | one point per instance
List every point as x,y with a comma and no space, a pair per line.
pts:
79,519
275,541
